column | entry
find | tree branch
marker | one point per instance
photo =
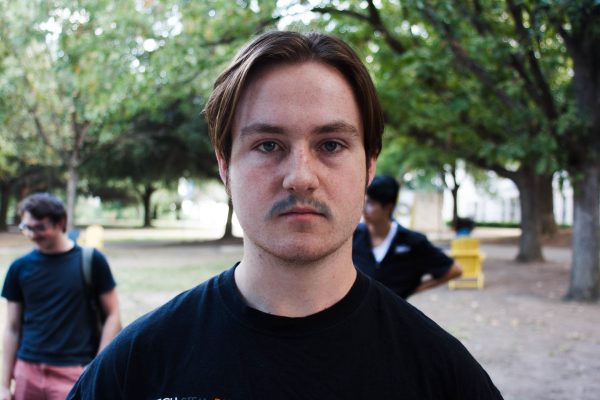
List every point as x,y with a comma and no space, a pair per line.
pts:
61,93
226,39
542,95
476,18
80,131
464,59
483,28
373,19
378,24
427,138
32,109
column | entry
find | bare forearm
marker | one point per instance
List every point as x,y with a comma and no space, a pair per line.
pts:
428,284
110,304
11,343
112,326
454,272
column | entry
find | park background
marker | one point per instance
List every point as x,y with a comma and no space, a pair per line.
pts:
489,105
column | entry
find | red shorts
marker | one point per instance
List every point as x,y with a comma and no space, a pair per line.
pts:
42,381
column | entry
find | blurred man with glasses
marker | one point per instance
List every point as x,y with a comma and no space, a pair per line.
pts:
50,332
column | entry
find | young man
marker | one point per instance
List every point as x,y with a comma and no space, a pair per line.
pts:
296,126
50,333
393,255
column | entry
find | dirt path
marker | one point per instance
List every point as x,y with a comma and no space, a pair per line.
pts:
534,345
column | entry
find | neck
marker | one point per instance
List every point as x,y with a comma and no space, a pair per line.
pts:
277,287
379,229
62,244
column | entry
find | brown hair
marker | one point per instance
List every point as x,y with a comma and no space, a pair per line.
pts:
42,205
291,47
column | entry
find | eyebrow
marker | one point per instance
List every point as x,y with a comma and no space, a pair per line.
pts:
260,127
333,127
337,127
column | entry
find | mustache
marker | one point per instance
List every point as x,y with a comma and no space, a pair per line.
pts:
285,205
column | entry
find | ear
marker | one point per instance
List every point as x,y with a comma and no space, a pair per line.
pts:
371,168
389,209
62,224
223,170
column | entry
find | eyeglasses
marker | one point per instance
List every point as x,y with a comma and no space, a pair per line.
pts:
37,228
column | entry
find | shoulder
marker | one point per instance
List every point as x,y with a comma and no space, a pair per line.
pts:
25,258
22,261
100,268
409,323
164,330
97,255
361,231
426,344
146,345
178,314
361,228
181,308
361,245
17,274
411,236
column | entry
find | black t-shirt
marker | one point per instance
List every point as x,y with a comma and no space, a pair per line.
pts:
410,257
207,343
57,325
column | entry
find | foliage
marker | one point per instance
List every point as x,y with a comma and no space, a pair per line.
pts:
78,73
446,82
163,145
510,86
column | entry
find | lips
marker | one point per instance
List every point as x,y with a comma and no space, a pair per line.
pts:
301,211
302,214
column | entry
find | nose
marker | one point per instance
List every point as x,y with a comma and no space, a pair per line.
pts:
301,175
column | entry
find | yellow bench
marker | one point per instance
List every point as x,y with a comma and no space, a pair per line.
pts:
466,253
93,236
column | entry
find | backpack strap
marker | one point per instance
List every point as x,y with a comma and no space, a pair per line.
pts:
86,254
97,317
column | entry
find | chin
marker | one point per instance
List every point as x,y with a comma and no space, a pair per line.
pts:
301,253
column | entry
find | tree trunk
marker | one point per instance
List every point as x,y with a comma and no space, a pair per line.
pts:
146,199
585,267
4,199
584,157
72,179
563,197
454,192
229,224
545,201
530,245
22,192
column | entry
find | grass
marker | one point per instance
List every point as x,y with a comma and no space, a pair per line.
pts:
148,272
148,277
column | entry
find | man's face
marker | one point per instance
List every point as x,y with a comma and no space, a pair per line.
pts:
375,213
42,232
297,168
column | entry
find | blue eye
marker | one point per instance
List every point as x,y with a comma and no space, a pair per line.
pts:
267,147
331,146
